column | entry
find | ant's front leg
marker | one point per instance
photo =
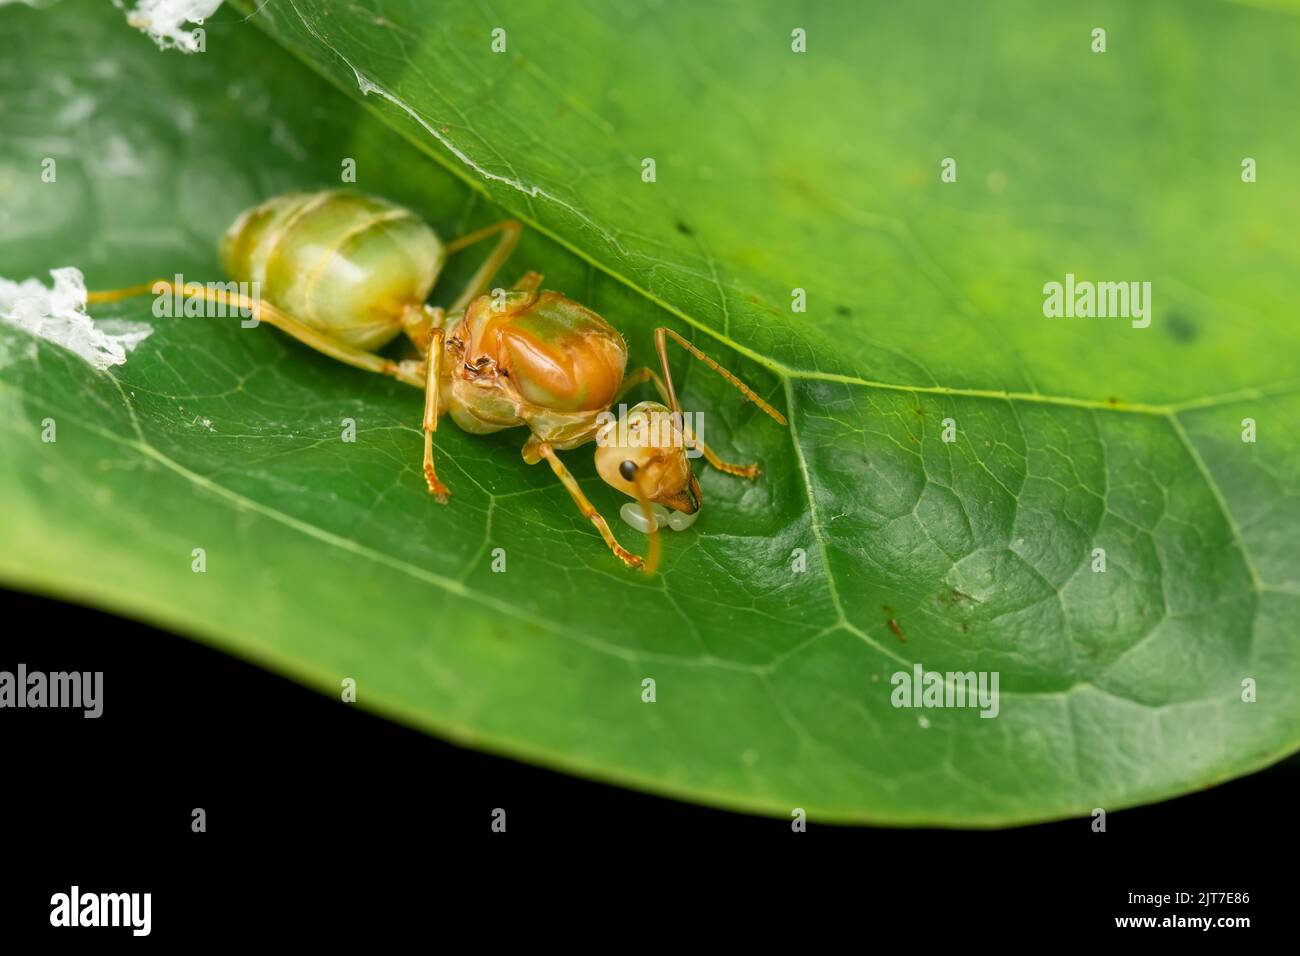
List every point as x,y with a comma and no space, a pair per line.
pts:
589,510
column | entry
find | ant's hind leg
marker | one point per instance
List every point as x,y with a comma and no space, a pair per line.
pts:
264,311
589,510
510,230
433,368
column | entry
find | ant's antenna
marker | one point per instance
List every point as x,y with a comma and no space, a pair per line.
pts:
749,393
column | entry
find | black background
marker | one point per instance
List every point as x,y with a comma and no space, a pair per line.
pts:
324,818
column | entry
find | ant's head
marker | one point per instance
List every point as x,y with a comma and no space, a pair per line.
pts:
643,455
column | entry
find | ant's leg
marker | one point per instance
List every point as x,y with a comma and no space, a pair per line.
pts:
644,374
418,322
639,377
528,282
510,230
750,471
433,366
263,311
662,348
589,510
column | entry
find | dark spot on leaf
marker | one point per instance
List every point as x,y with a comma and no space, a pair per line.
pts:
1180,327
843,310
766,306
684,229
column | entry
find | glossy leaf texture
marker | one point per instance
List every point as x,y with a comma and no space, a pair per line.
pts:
871,544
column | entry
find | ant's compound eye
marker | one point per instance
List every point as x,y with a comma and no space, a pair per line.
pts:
627,470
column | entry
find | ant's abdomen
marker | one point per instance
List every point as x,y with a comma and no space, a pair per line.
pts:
345,263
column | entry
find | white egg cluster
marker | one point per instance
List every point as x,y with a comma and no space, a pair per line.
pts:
675,520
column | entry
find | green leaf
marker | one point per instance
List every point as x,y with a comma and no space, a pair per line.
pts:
774,171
